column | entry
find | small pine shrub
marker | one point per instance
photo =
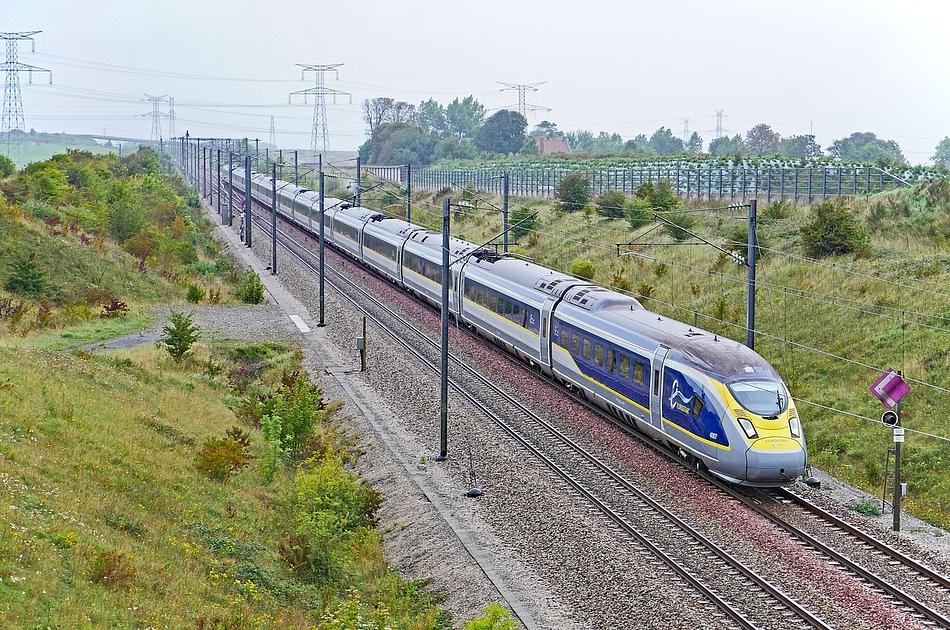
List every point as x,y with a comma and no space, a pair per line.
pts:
194,294
523,221
833,230
681,222
275,451
583,268
639,213
611,204
250,289
494,617
26,277
781,209
113,570
219,458
180,335
573,191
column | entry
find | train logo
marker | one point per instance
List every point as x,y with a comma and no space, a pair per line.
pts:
682,404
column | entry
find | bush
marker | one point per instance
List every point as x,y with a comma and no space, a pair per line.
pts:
114,308
7,167
219,458
180,335
250,289
573,191
26,277
583,268
682,221
523,221
833,230
611,204
494,617
112,569
275,452
195,294
659,195
639,213
295,407
781,209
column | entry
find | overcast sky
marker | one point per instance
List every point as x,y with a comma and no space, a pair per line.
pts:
834,66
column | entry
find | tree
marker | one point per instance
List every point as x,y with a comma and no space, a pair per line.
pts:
402,112
762,140
430,116
725,145
640,146
942,152
26,277
502,132
607,143
867,147
583,269
545,129
611,204
833,230
523,221
180,335
581,141
7,167
665,143
398,143
802,147
694,146
573,191
464,116
376,112
451,148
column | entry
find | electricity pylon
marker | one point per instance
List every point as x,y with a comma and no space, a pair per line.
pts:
156,115
319,133
12,98
522,88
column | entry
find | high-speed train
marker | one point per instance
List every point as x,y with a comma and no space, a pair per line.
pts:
715,402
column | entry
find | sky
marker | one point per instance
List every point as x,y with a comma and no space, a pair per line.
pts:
831,67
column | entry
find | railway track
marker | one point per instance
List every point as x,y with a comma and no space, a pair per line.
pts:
762,602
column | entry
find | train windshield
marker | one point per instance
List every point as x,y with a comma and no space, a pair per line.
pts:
763,398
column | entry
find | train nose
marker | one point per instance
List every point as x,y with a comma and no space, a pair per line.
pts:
774,459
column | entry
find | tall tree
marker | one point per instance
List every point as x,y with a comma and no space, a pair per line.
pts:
430,116
802,147
762,140
581,141
725,145
694,146
942,152
639,146
376,111
464,116
867,147
401,112
545,129
502,132
665,143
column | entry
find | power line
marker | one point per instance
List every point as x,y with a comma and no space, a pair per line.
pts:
156,115
12,118
319,133
272,137
171,116
521,88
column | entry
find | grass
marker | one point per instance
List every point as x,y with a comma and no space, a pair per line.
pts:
889,309
109,523
43,146
89,332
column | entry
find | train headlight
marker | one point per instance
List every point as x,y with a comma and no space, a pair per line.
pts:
748,427
795,426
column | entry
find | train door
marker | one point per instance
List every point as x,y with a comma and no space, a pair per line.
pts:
656,387
545,337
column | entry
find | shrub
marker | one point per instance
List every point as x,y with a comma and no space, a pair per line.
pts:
645,290
275,452
180,335
219,458
781,209
681,221
7,167
639,213
865,507
114,308
659,194
250,289
214,296
833,230
26,277
611,204
39,210
44,315
494,617
112,569
573,191
523,221
194,294
583,268
297,405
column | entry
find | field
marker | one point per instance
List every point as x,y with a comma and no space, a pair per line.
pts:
827,325
37,147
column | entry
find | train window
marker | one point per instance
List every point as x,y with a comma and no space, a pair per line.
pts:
611,360
697,407
656,382
586,351
516,311
638,373
598,354
507,308
500,305
544,326
624,365
575,340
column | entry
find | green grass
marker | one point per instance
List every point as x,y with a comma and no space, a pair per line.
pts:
89,332
109,523
44,146
846,306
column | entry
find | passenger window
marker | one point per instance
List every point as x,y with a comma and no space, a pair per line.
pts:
516,311
574,341
598,354
624,365
656,382
507,308
697,406
500,305
586,352
611,360
637,373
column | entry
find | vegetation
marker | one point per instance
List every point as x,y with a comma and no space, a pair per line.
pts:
584,269
180,335
36,146
250,289
111,519
573,191
833,230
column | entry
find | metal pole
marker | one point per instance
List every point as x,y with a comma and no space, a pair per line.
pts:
247,199
296,170
363,348
898,439
322,321
408,193
504,209
444,358
230,186
218,187
273,221
750,295
356,199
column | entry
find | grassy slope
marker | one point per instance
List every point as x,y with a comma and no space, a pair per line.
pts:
43,146
685,280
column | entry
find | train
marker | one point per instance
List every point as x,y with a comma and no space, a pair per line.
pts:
716,403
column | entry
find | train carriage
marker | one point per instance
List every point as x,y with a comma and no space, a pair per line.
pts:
383,241
348,226
422,266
